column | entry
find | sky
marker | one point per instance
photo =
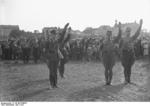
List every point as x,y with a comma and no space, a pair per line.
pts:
35,14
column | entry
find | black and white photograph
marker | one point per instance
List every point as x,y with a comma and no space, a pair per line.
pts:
74,51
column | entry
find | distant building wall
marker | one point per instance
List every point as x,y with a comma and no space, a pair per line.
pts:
5,31
47,30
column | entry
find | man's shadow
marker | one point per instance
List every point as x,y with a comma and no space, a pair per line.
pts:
21,91
20,96
102,93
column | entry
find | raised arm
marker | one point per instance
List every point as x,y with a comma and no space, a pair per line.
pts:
63,33
67,38
65,29
138,31
116,40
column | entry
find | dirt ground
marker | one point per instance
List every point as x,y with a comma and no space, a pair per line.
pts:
82,82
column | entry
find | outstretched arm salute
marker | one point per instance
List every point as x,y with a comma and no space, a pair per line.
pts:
116,40
62,35
138,31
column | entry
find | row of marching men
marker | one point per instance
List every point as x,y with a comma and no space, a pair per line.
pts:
123,47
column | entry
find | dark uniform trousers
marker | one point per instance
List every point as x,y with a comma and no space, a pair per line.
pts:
52,62
108,58
62,63
127,60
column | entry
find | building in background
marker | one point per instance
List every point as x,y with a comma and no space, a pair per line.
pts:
46,31
37,34
5,31
36,31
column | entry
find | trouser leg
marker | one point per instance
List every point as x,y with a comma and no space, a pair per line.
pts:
51,79
53,74
62,68
129,74
125,74
110,76
106,76
55,78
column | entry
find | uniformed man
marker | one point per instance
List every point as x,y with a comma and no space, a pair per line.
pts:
127,51
52,61
53,55
64,53
63,60
108,54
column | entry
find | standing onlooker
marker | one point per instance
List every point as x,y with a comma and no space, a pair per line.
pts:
149,50
0,51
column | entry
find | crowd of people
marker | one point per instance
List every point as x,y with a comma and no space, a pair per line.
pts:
84,49
20,49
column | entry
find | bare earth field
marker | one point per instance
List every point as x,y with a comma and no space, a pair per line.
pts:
82,82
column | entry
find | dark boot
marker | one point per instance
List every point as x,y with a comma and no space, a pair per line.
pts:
125,75
62,68
129,74
106,76
110,76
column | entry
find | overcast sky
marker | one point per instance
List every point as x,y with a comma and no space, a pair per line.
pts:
36,14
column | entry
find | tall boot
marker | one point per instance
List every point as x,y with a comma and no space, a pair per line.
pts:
55,66
129,74
51,78
125,75
106,77
110,76
61,68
